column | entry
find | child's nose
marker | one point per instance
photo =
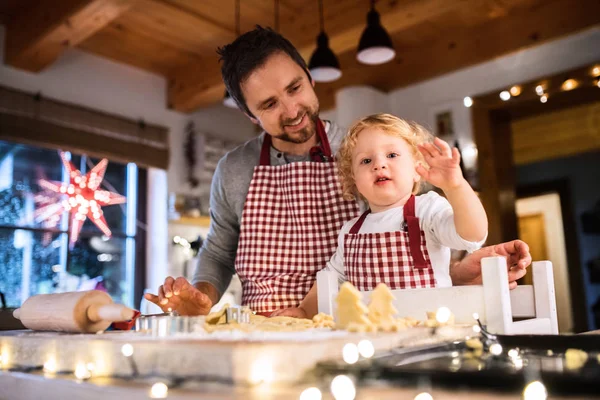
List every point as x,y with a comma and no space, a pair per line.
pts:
378,164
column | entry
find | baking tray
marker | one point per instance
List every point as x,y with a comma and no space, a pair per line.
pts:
452,365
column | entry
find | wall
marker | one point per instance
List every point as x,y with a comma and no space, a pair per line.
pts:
582,173
94,82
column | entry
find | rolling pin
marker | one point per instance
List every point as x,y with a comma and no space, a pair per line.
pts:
89,311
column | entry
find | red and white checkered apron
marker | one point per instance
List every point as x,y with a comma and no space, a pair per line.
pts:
291,219
399,259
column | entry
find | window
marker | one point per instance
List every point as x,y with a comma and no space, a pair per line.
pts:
35,255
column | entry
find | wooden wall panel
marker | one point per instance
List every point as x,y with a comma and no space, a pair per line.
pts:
558,134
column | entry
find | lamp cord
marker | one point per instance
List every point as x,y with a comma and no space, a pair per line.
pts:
321,16
277,16
237,18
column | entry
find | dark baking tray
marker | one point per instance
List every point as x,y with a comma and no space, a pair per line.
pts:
436,365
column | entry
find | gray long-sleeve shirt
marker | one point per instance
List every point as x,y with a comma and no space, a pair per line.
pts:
230,185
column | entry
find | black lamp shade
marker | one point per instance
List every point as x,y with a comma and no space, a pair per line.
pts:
375,46
324,65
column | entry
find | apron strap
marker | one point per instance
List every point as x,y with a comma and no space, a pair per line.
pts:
414,234
321,153
356,227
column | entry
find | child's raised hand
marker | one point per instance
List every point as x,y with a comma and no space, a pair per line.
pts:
444,165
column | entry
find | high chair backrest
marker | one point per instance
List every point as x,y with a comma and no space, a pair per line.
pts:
496,305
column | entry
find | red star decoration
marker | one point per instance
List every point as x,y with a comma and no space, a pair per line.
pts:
82,197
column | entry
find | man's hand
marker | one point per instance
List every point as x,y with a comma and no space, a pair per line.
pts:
181,296
295,312
468,271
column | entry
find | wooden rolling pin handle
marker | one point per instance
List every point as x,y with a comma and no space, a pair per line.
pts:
109,312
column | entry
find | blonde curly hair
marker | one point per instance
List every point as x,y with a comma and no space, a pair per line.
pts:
413,133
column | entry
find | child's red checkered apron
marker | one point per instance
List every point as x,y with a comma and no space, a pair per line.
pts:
291,219
399,259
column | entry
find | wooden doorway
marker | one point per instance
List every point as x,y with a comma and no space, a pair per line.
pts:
493,121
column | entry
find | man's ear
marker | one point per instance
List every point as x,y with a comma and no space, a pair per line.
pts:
254,120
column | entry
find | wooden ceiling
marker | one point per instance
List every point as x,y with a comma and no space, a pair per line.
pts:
177,38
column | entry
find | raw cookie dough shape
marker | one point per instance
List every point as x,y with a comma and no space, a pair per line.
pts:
350,309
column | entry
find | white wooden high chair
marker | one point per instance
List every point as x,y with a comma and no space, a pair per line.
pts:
495,304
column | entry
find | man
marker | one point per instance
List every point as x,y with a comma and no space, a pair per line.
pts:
276,203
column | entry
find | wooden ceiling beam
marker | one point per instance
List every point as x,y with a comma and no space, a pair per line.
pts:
37,37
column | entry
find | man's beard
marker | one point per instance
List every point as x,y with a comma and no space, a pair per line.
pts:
303,135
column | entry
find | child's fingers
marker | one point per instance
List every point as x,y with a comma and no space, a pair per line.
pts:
455,155
426,150
443,147
423,172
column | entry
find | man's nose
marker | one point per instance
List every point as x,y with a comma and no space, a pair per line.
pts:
290,109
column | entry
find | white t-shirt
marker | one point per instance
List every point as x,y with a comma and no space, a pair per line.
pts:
436,219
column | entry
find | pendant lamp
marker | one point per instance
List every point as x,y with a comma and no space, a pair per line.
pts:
228,101
375,46
324,65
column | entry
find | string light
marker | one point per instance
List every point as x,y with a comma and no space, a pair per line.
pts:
365,348
539,89
312,393
468,101
496,349
343,388
443,315
127,350
569,84
505,95
598,82
350,353
424,396
262,371
535,391
544,98
159,391
81,372
596,71
50,365
515,90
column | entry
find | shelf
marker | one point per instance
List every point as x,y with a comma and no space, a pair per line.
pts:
195,221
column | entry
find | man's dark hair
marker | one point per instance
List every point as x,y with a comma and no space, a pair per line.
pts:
249,52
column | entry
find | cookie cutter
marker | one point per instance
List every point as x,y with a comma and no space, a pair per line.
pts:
240,315
169,324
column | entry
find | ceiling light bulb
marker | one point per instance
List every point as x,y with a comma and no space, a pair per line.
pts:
505,95
468,101
569,84
596,71
515,91
539,89
544,98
